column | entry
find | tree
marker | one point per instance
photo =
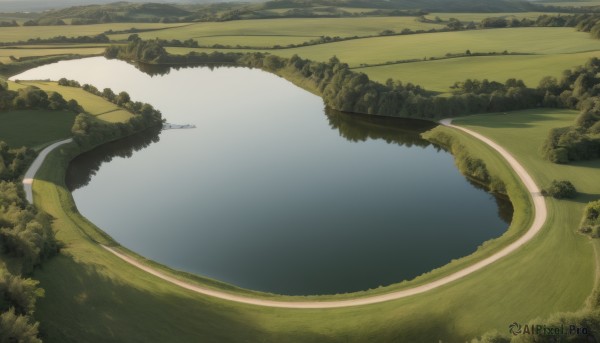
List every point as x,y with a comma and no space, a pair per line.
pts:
17,328
108,94
561,189
122,98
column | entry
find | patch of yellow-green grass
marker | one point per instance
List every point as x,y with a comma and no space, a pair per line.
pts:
254,41
439,75
33,128
100,108
6,53
535,40
290,27
93,296
23,33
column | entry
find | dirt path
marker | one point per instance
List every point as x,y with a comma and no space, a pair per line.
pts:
35,166
540,218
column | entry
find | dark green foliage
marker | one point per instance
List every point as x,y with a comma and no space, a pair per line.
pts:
346,90
562,189
101,38
12,23
88,131
19,292
13,161
580,89
473,168
153,52
590,223
16,328
24,233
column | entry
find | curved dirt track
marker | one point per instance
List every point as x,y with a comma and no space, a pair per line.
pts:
538,222
35,166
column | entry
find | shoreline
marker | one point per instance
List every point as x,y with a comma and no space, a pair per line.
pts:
535,227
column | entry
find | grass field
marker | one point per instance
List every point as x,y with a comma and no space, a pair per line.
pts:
543,41
33,128
93,296
439,75
90,291
94,105
23,33
6,53
282,30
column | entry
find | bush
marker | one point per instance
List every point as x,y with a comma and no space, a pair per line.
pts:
561,190
590,223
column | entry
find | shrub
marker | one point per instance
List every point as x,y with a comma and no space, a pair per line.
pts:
560,189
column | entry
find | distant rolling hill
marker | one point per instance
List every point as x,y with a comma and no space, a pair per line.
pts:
43,5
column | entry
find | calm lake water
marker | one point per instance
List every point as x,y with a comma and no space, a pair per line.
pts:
272,192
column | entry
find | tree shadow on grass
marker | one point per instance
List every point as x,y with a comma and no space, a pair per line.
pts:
585,198
94,303
506,120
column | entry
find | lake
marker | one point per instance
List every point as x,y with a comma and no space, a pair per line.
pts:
271,191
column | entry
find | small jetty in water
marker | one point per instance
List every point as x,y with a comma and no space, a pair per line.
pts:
169,126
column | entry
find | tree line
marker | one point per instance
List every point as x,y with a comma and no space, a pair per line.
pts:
27,237
578,88
346,90
88,131
153,52
101,38
32,97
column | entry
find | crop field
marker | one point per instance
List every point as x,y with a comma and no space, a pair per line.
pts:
439,75
23,33
307,29
543,41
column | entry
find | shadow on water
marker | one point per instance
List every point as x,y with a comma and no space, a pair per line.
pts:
85,166
505,207
404,132
162,69
361,127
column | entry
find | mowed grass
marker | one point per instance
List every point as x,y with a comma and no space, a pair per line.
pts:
544,41
6,53
439,75
102,109
280,31
33,128
23,33
93,296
